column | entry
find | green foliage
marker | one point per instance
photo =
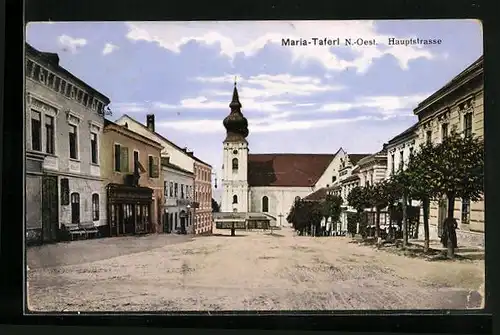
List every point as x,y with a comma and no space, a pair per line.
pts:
331,207
303,214
358,198
459,167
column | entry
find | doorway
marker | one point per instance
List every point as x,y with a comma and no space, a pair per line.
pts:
50,209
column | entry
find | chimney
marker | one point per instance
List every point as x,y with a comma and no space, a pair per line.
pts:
150,122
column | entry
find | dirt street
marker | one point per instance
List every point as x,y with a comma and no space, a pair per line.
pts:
251,271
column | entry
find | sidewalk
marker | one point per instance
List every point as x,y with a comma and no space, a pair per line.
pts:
470,252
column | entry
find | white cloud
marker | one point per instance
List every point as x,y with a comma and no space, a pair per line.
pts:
259,125
109,48
71,44
246,38
129,107
385,105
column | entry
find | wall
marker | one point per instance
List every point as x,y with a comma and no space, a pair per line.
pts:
177,156
235,182
170,200
203,220
281,199
455,120
109,139
331,171
404,146
84,176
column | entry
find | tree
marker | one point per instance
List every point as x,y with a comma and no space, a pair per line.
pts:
215,206
331,208
358,199
417,180
458,172
394,190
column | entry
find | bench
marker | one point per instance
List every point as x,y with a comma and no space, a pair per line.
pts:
85,230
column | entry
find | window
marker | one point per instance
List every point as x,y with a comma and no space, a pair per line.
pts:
444,131
64,191
73,138
401,161
265,204
465,211
165,189
136,163
117,157
235,164
93,147
95,207
392,163
468,125
176,188
153,167
334,178
411,152
49,134
63,87
36,131
182,191
428,138
75,208
235,199
171,189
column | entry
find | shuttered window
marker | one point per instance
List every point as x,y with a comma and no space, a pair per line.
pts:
117,158
124,162
153,167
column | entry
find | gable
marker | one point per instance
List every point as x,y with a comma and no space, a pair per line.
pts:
286,170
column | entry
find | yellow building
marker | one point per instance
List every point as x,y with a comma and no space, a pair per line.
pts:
130,168
456,106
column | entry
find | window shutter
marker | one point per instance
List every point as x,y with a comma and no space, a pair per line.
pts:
124,159
156,172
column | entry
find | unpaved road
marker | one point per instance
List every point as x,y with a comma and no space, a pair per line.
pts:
251,271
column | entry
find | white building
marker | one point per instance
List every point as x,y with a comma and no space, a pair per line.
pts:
399,150
178,191
268,183
64,123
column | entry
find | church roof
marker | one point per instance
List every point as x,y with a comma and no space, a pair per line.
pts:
317,195
287,170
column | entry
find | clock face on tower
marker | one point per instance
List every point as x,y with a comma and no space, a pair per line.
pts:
235,152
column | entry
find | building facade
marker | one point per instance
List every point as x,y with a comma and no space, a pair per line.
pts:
203,219
64,124
133,181
179,197
457,106
184,159
372,169
399,150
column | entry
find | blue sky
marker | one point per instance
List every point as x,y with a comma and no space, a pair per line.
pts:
297,99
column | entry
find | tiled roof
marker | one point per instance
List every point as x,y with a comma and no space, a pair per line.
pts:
289,170
354,158
317,195
167,140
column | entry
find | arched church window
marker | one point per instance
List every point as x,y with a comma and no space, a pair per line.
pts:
235,164
235,199
265,204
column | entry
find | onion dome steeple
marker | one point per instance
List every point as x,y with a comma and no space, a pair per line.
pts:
235,123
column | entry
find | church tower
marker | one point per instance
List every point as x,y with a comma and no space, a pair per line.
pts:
235,159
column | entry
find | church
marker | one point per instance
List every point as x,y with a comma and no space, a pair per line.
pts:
269,183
